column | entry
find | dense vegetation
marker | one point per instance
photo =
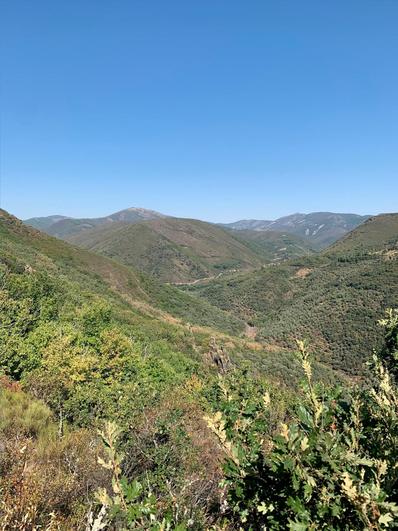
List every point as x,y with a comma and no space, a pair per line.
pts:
275,246
105,277
334,299
116,414
325,459
83,351
331,465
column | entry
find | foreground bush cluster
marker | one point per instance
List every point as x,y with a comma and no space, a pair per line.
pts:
332,465
329,460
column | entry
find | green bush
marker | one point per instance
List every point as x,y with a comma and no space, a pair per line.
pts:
332,466
19,414
129,505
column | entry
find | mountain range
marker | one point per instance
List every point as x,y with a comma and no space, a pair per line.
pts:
171,249
319,228
187,251
334,297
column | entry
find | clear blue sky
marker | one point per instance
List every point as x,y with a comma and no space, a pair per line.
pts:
214,109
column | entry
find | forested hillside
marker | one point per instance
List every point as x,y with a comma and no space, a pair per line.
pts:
101,274
172,249
333,299
275,246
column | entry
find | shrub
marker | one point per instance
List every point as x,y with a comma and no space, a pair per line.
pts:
129,505
333,466
44,478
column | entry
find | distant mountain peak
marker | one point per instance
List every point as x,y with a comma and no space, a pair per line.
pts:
63,226
133,214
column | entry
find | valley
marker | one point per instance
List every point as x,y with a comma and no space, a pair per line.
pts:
256,277
327,298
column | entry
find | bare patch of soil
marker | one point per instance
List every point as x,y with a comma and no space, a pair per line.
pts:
303,272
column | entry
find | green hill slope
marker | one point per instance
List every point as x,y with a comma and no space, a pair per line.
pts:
275,246
52,292
378,233
182,320
104,276
334,299
172,249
